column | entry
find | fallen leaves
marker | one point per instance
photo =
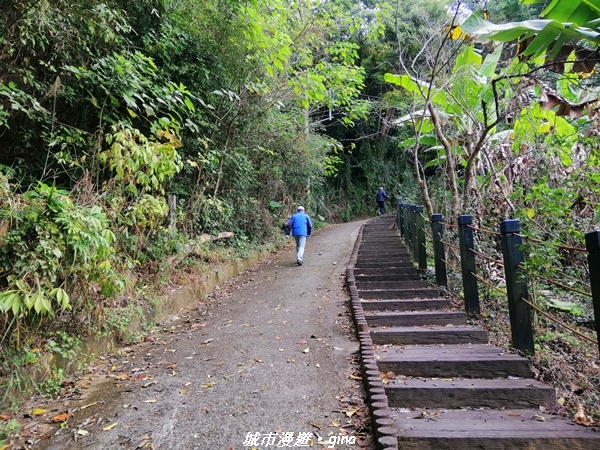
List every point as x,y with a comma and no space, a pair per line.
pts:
351,412
386,377
138,377
60,417
110,427
582,419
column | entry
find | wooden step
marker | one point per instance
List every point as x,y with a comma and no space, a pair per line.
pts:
384,230
463,393
468,361
382,265
378,275
490,429
392,284
385,259
400,305
408,273
429,335
383,249
414,318
376,237
398,293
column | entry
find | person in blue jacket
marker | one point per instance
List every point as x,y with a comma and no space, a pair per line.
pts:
381,197
300,226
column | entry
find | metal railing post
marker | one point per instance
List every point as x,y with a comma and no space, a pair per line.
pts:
409,227
400,217
516,287
415,242
592,245
468,264
439,252
421,249
405,222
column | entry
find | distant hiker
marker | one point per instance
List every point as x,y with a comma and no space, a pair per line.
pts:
300,226
381,198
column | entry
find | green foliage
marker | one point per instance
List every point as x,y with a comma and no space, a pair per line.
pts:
566,20
63,344
139,163
118,322
8,428
52,385
119,85
50,242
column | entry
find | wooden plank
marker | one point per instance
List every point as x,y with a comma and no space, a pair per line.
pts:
387,250
397,293
429,335
366,275
468,361
386,260
490,429
382,265
406,305
377,275
463,393
393,284
412,318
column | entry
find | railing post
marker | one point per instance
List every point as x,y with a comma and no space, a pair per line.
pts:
592,244
421,255
407,226
468,264
400,217
415,242
439,252
516,287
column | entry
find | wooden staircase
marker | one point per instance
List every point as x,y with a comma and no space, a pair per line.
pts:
446,387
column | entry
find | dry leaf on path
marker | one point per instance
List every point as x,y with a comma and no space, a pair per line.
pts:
582,419
110,427
350,412
61,417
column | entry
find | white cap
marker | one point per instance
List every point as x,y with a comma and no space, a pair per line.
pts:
300,208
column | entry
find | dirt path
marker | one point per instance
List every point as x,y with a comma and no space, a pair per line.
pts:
268,361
